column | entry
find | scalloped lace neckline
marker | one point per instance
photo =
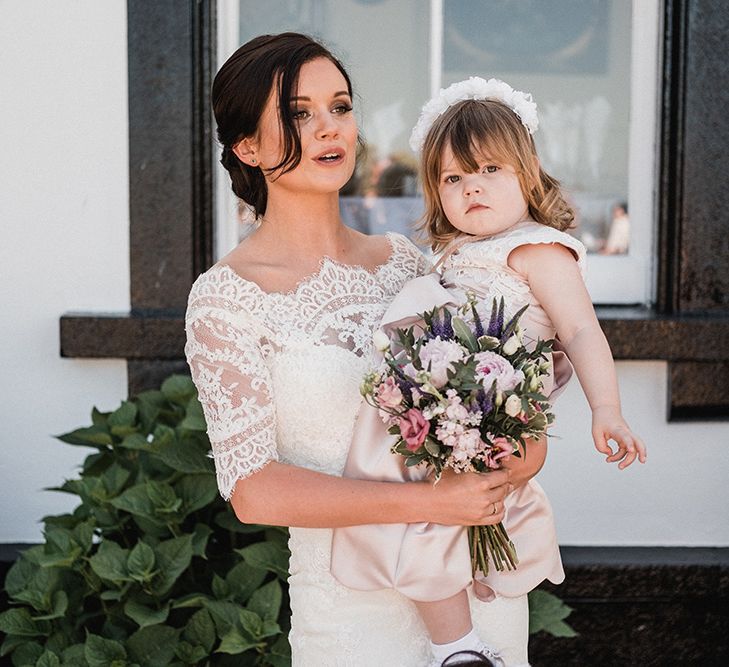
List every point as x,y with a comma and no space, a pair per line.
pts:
323,262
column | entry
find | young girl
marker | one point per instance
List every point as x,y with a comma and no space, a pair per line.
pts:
499,219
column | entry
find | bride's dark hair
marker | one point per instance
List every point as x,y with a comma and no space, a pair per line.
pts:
240,91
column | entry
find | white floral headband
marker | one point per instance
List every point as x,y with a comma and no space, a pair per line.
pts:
474,88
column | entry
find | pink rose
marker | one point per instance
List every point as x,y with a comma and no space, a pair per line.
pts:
413,429
491,366
389,394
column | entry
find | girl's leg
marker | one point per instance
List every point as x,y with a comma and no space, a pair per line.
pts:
451,631
446,620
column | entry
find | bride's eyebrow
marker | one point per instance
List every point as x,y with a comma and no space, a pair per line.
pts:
303,98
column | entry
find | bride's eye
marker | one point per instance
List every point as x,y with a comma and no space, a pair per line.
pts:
342,108
299,114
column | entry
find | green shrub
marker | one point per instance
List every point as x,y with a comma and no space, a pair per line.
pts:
152,568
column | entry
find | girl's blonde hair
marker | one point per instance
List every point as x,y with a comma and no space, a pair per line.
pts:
472,129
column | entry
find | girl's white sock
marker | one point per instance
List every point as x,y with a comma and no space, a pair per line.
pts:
469,642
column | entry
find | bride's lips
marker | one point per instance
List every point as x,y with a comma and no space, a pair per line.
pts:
476,207
333,155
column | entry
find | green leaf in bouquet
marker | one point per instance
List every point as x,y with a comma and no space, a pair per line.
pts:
415,459
153,646
432,447
486,343
394,430
464,334
547,613
266,601
267,556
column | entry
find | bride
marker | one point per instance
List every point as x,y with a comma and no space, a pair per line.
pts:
278,338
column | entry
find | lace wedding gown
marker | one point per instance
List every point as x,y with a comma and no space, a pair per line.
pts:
278,377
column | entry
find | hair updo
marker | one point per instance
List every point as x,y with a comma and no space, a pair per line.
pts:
240,91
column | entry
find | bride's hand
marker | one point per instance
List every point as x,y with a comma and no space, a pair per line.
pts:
468,499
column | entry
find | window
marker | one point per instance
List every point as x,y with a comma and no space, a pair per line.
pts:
592,66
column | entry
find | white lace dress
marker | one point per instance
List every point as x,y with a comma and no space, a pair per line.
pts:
278,376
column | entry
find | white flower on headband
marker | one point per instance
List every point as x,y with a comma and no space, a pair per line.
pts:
474,88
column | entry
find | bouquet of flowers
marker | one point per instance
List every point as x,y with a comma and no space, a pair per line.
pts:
462,396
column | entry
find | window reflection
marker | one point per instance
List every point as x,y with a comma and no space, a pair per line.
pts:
573,55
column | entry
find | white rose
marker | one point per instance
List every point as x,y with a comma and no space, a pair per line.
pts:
512,407
511,345
381,340
438,356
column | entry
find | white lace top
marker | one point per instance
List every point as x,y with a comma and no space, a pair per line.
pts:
278,373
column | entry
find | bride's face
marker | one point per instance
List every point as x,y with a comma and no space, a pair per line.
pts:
322,110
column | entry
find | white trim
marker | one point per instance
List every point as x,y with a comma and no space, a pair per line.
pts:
630,278
436,46
225,225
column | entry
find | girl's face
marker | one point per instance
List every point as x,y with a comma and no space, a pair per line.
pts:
484,202
322,109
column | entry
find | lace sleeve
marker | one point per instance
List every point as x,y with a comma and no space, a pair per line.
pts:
233,381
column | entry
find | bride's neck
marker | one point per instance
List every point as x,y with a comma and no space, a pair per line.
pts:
306,226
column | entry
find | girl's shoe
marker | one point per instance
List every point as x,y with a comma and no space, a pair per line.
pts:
485,656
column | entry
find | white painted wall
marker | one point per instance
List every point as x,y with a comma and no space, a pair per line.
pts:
64,239
678,498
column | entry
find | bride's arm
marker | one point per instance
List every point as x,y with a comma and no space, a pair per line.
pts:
286,495
236,392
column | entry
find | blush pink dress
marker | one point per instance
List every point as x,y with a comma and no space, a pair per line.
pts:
428,561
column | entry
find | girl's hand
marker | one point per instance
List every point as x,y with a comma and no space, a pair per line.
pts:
469,499
608,424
